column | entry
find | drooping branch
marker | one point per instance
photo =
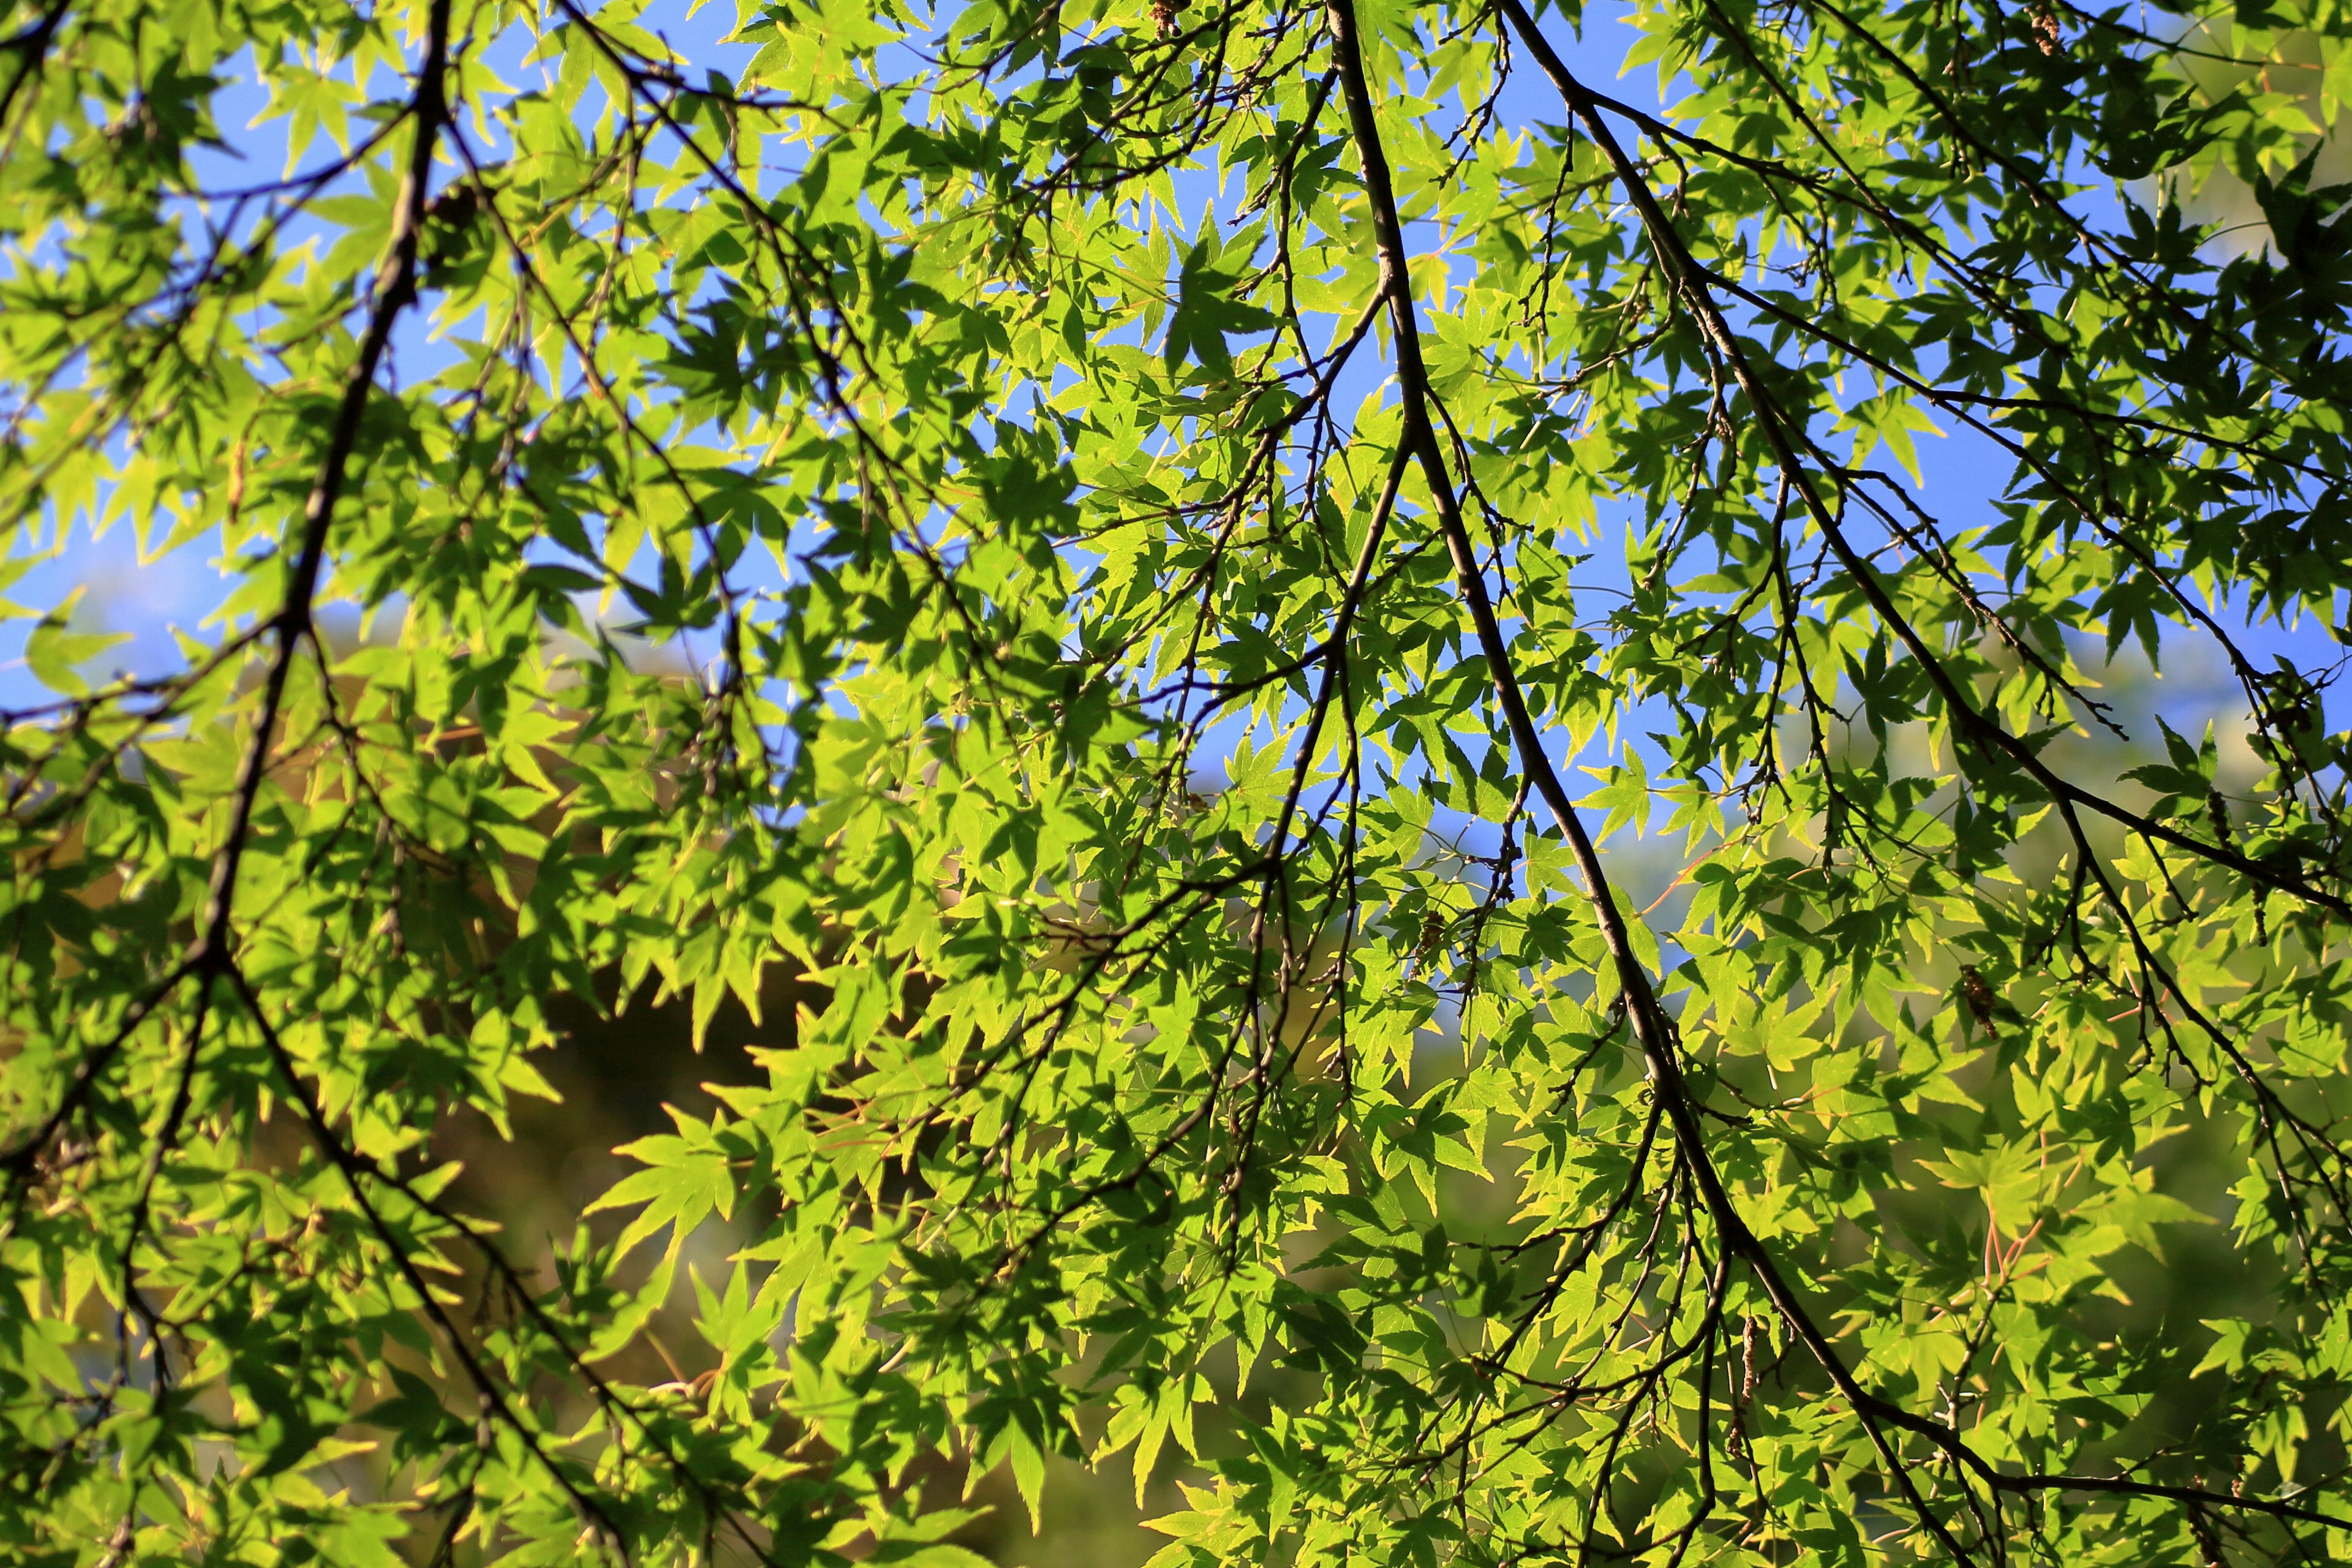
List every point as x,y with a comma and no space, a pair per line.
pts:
393,292
1654,1030
1692,286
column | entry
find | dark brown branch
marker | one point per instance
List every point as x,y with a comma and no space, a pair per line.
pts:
1693,286
396,289
29,46
1654,1030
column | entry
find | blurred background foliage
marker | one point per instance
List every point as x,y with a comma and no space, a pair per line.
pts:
617,1072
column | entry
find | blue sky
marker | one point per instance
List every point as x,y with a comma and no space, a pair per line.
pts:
1960,472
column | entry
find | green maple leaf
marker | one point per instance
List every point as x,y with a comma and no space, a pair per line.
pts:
1207,309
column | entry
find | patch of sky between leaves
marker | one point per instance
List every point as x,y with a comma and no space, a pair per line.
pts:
1959,474
125,587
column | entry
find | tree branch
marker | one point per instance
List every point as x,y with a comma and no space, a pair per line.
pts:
396,289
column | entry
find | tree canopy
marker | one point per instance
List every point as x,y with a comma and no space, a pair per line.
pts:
1441,784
